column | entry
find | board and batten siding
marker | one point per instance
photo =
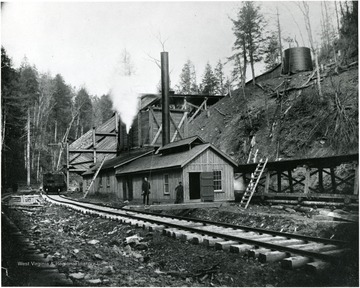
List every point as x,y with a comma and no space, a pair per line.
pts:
157,183
208,161
107,180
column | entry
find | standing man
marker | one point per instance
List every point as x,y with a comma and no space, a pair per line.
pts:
145,190
179,193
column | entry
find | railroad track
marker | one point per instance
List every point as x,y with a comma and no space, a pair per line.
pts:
293,250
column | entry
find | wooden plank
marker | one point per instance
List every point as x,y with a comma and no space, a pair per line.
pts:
105,134
290,182
279,181
197,111
321,181
333,181
156,136
155,120
177,129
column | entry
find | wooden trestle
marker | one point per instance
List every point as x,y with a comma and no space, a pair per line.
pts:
278,180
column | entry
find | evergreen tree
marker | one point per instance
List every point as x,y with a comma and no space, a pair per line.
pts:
348,42
84,110
62,106
187,83
209,81
271,51
220,79
12,125
248,30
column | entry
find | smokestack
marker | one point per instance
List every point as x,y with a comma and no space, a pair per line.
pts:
165,98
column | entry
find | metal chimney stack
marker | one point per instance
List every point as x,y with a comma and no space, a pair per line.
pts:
165,98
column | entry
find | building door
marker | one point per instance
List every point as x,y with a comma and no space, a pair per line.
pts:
207,186
125,194
194,185
129,187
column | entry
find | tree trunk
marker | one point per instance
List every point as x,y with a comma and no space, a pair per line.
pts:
28,150
55,141
337,18
38,168
245,64
252,68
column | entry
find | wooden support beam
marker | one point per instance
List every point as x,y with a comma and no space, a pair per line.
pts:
155,120
279,181
105,134
290,181
156,136
321,181
197,111
177,129
341,181
333,181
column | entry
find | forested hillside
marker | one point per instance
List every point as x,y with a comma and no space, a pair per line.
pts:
45,112
295,124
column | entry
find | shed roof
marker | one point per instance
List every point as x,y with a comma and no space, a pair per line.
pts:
123,158
174,160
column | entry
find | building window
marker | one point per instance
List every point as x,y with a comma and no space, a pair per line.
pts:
107,180
166,184
100,181
217,181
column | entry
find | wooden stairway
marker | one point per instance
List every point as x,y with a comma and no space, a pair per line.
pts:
95,175
255,177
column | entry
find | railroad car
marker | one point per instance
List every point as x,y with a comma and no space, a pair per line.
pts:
54,182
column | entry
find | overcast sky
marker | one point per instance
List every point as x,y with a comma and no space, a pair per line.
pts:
83,41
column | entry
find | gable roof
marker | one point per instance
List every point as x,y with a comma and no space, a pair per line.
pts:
181,143
175,160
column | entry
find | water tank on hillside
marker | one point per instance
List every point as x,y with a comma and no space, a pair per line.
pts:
296,60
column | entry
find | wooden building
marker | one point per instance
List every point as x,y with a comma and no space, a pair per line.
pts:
207,173
107,140
147,125
106,182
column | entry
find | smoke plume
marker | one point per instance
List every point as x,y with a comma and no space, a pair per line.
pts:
125,95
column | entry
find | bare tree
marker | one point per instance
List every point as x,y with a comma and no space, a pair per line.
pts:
304,7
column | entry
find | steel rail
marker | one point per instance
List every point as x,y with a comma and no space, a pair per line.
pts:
259,243
234,226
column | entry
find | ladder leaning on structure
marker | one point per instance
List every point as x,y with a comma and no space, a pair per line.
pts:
93,179
255,177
